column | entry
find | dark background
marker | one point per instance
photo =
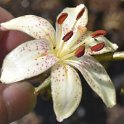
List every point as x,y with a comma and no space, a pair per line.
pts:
103,14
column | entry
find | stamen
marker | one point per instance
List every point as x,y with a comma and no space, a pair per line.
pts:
78,17
80,13
67,36
67,56
80,51
98,47
74,44
98,33
62,18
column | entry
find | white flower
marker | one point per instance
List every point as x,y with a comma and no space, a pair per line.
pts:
63,52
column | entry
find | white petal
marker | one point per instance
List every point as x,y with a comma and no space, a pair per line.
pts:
71,19
90,42
35,26
66,91
97,78
27,60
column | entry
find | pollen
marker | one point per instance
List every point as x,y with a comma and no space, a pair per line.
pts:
67,36
62,18
98,47
80,51
80,13
99,33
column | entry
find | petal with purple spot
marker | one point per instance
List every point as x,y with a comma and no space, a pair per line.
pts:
66,90
97,78
35,26
27,60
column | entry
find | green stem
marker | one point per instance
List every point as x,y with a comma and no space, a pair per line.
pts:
110,56
42,85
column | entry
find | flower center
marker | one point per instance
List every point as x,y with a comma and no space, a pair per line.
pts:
65,45
69,45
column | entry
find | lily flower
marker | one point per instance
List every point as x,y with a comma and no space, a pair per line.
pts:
63,52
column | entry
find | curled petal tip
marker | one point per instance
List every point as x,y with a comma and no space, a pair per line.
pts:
59,119
111,104
66,90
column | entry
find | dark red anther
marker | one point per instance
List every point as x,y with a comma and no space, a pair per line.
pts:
98,47
67,36
80,13
98,33
80,51
62,18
